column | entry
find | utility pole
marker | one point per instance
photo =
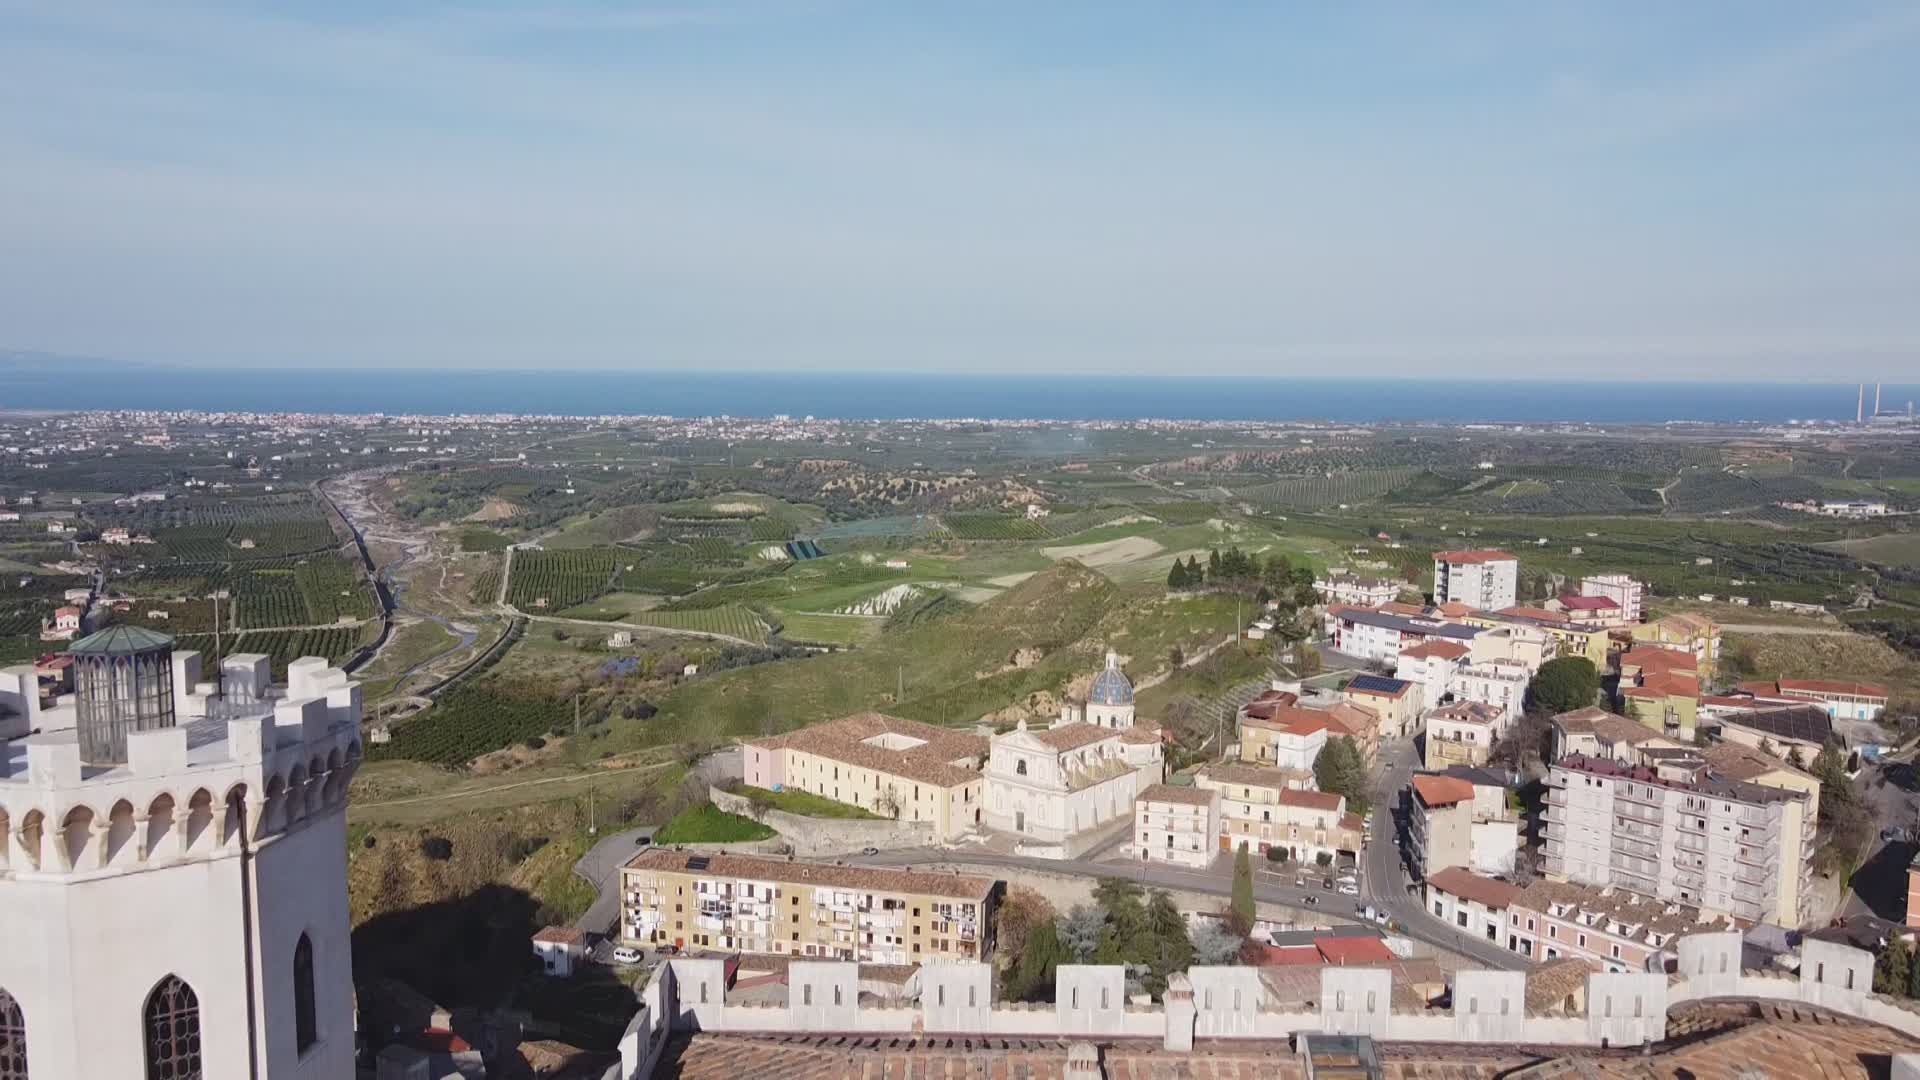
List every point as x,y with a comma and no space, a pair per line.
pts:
576,718
593,820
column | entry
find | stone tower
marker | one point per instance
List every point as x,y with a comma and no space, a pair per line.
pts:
173,867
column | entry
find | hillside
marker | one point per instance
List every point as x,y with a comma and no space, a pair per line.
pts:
1024,645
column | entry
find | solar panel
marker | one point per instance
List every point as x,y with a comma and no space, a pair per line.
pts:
1376,682
696,862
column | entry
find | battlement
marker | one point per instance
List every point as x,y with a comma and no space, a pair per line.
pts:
1482,1007
246,755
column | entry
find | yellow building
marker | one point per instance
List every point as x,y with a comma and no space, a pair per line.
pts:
900,769
1260,810
869,914
1570,638
1692,633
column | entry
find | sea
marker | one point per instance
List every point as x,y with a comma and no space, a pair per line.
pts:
887,396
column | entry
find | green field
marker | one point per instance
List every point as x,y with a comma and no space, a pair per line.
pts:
732,620
708,824
477,539
807,628
804,803
1893,549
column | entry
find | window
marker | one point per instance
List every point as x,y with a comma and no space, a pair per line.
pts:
1020,767
806,995
172,1017
13,1039
305,1028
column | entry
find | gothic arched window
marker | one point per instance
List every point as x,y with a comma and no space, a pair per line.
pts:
13,1036
305,1030
173,1031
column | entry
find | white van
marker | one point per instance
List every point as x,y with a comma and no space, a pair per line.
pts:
626,954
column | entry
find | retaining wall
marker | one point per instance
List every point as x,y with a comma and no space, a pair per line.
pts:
812,836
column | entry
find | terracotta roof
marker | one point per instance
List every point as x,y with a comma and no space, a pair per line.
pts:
1737,761
1608,726
1588,603
1441,790
1142,734
1479,555
1353,951
1356,720
833,1056
1832,686
560,935
1291,956
1064,737
1311,800
1168,793
1648,914
830,875
1445,650
1719,787
1466,712
1550,984
1464,883
1522,611
1653,658
1395,607
843,740
1289,719
1664,684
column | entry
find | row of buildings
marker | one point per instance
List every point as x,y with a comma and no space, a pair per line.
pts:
1052,789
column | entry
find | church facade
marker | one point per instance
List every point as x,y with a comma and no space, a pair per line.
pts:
1051,788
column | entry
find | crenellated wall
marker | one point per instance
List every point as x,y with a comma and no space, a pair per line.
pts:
1487,1007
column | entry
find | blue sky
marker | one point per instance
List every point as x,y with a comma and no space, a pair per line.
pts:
1534,188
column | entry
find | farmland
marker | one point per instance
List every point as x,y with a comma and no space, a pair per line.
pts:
552,580
334,643
475,719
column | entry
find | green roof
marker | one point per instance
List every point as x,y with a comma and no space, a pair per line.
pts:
120,641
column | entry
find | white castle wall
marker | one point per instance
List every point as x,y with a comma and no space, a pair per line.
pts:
205,856
1488,1007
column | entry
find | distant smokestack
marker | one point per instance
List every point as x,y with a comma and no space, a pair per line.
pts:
1860,409
1876,399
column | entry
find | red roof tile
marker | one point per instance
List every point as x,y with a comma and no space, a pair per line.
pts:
1353,951
1480,555
1442,790
1464,883
1832,686
1435,647
1310,800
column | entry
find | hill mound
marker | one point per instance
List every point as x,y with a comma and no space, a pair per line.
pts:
953,670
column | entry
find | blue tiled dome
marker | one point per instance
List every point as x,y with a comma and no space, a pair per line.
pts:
1110,687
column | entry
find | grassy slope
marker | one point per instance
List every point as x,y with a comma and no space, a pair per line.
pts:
954,670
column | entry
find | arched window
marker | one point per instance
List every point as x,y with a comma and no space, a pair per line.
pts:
305,1029
173,1031
13,1036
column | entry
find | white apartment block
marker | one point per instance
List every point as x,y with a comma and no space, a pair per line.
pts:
1432,666
1631,595
1499,683
1378,636
1177,825
1484,580
1462,733
1680,832
1339,588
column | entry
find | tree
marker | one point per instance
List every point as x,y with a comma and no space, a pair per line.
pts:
1177,575
1242,904
1033,976
1177,657
1213,565
1166,932
1913,978
1022,913
1892,972
1339,769
1306,660
1079,932
1563,685
1796,758
1215,943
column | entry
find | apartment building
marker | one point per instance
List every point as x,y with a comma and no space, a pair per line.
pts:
1661,688
902,769
1339,588
1378,636
1687,632
1470,903
1462,734
1276,732
1258,811
1501,684
1177,825
1602,612
1460,818
1486,580
1395,703
1679,832
1612,929
752,904
1568,636
1630,595
1432,666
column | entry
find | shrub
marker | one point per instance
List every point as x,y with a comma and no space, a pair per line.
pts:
1277,854
536,743
437,848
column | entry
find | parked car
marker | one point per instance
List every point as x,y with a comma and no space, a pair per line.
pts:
869,851
669,949
1312,899
1349,888
627,954
1299,882
642,840
1326,883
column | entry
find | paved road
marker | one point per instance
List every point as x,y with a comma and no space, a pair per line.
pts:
1385,882
602,862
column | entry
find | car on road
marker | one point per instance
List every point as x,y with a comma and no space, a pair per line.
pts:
669,949
1326,883
1299,882
1348,888
627,954
642,840
1312,899
869,851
